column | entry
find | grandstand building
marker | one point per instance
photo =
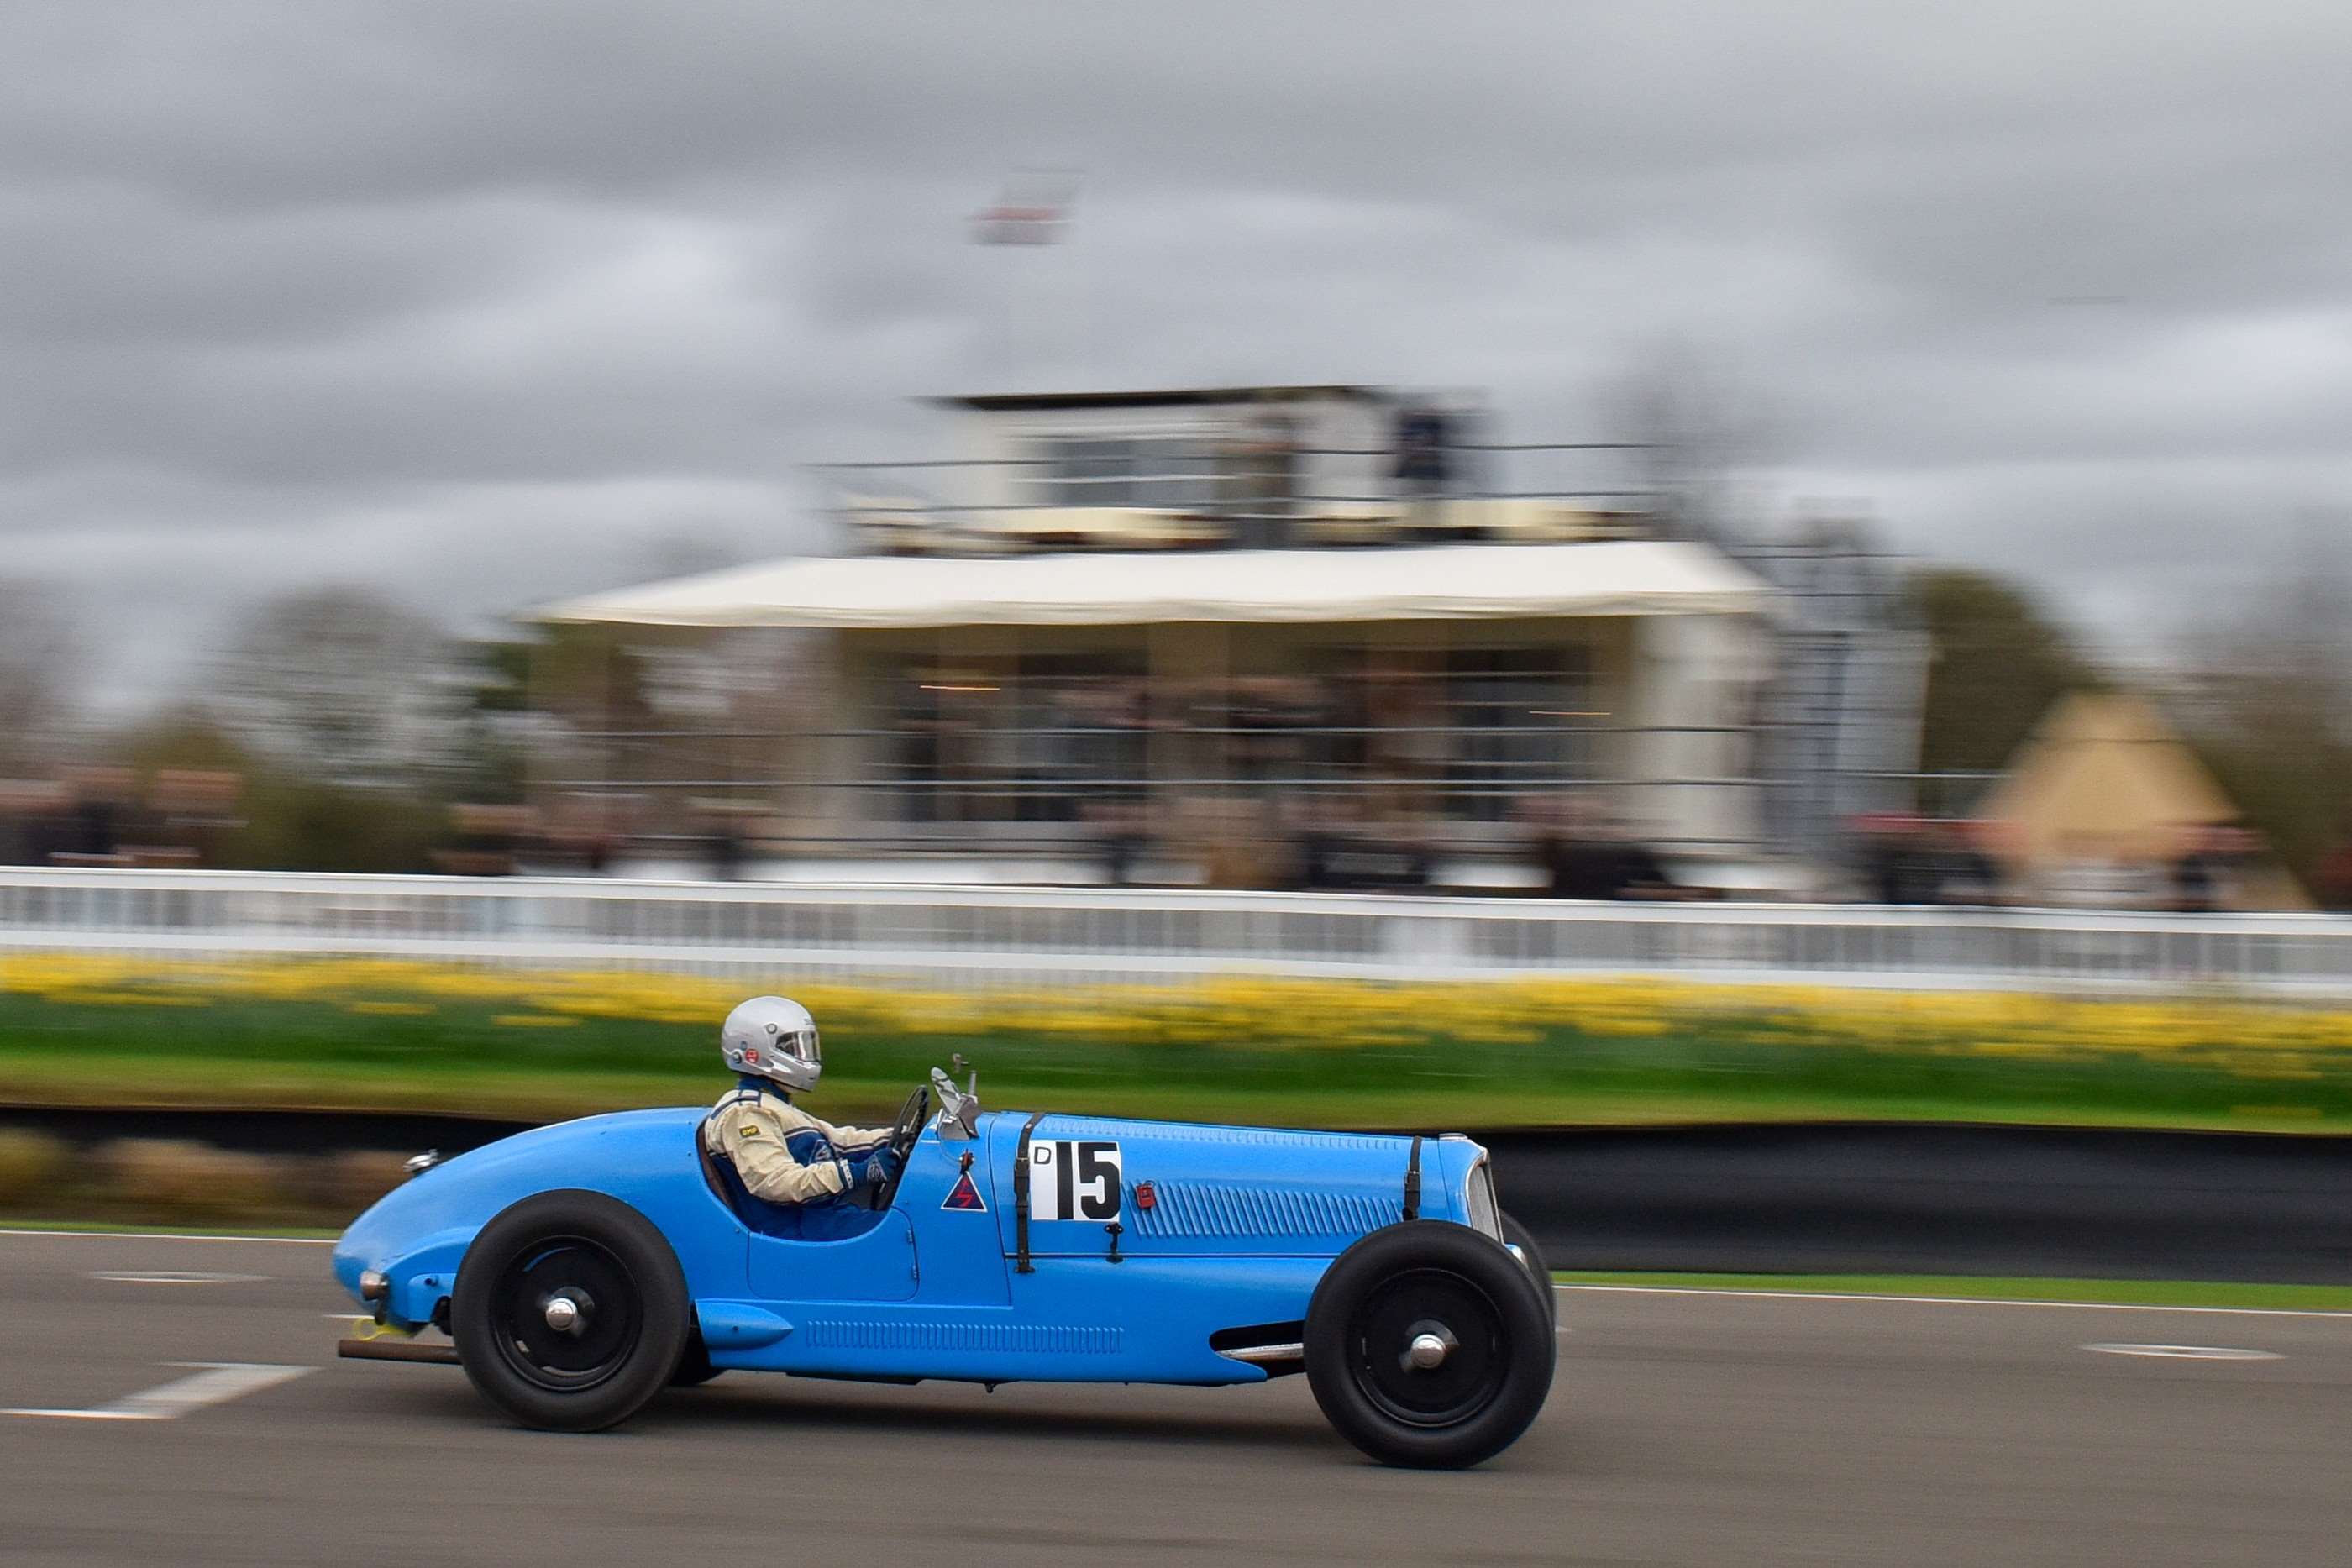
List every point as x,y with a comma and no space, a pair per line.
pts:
1327,635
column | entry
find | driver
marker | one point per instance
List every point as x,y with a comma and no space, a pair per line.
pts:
781,1153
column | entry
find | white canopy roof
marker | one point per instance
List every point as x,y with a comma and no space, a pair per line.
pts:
1434,582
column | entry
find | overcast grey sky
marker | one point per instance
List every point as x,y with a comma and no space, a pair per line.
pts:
482,304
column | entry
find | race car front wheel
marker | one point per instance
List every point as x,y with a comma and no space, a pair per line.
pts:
1516,1235
1425,1346
569,1311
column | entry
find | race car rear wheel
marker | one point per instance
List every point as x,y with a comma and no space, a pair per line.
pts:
1425,1346
569,1311
1519,1235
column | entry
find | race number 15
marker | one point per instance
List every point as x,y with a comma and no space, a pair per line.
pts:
1074,1180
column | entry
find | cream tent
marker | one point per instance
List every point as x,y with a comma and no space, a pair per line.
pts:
1451,582
1682,640
2104,778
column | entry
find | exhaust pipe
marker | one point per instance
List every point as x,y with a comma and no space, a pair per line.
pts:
391,1349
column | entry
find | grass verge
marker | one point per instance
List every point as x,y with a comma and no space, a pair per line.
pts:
1982,1288
378,1035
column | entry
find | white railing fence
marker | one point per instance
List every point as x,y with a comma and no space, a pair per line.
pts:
978,937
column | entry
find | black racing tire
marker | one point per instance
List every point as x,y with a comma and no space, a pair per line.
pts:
1519,1235
693,1368
632,1319
1450,1282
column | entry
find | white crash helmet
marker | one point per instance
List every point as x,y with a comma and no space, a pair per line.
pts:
773,1038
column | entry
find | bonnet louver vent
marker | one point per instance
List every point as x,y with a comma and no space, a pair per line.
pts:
1214,1208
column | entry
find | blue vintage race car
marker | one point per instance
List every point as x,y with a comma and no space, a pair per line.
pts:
579,1269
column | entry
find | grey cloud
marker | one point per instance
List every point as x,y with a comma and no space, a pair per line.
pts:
485,303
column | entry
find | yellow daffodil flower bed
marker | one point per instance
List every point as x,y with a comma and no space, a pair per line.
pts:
383,1034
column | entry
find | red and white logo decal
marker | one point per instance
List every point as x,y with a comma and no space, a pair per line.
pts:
964,1195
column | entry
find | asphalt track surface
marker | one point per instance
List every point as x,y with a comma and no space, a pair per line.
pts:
1684,1428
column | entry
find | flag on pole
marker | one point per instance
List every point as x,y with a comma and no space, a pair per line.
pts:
1033,210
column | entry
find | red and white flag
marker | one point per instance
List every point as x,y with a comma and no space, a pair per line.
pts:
1033,210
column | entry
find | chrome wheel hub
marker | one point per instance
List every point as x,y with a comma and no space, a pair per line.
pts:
566,1311
1429,1345
568,1314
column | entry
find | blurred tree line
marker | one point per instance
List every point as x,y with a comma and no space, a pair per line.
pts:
39,652
350,723
2000,659
2267,697
2261,687
361,734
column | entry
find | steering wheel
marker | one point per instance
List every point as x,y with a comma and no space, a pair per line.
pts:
903,1134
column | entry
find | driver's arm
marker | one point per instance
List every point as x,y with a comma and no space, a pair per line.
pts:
852,1140
867,1150
780,1160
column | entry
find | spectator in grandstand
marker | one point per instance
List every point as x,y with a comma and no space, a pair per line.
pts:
2092,874
1423,466
1585,856
1899,859
102,811
1345,845
31,821
2208,873
2333,880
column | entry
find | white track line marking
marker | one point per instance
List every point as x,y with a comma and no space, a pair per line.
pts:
1959,1300
172,1236
214,1382
173,1277
2187,1351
